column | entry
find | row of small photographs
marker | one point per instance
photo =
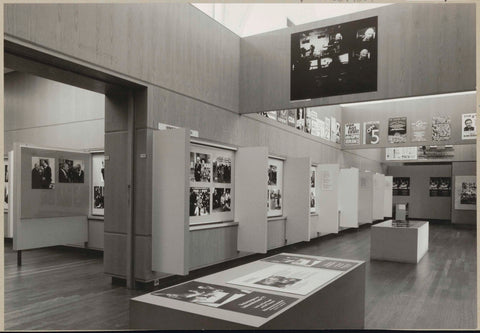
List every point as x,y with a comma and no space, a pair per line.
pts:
43,172
274,199
99,197
221,199
201,168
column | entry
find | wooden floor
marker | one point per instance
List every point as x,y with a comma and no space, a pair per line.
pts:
58,289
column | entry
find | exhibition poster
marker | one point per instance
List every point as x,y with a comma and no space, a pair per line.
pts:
328,127
397,130
43,173
352,134
321,125
243,301
371,132
312,122
288,278
338,133
291,117
466,192
440,186
282,116
274,188
334,60
441,129
316,262
71,171
301,114
401,186
333,129
98,183
308,122
419,129
469,127
313,172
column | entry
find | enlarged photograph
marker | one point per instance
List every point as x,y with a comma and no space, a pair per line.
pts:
440,186
272,175
334,60
278,281
43,173
468,194
98,197
71,171
401,186
221,200
222,170
200,167
199,201
275,199
292,260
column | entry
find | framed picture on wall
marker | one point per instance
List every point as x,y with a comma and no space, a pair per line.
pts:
466,192
275,187
469,127
43,173
71,171
98,184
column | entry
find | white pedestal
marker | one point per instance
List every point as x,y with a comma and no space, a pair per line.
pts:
402,244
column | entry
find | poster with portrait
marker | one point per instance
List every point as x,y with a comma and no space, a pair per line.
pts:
5,186
334,60
397,130
469,127
441,129
313,183
371,132
352,134
43,173
275,187
419,129
292,120
282,116
401,186
98,184
440,186
71,171
466,192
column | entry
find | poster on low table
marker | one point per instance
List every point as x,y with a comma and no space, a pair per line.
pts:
466,192
317,262
274,187
469,126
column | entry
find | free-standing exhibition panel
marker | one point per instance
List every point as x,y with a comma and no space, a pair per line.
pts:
365,197
378,196
297,199
170,223
50,197
388,197
348,196
251,181
328,198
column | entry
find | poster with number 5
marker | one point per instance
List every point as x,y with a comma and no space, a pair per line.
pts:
371,132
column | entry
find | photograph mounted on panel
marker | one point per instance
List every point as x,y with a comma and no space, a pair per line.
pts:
469,127
441,129
397,130
401,186
199,201
275,200
440,186
43,173
200,168
466,192
334,60
221,200
98,197
222,169
272,175
71,171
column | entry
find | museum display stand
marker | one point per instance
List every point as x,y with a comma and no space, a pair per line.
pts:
55,215
388,197
327,194
404,243
333,297
348,197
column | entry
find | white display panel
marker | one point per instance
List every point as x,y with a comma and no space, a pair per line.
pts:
275,187
466,192
348,193
365,197
98,184
313,186
211,195
378,196
328,206
388,197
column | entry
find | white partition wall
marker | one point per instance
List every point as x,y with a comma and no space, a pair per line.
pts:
388,197
11,172
170,221
365,197
297,199
348,201
378,196
328,198
251,179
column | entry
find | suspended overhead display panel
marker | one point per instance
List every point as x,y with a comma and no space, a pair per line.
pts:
297,199
348,197
170,219
251,179
328,198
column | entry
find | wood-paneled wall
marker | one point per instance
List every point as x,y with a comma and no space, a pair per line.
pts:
422,49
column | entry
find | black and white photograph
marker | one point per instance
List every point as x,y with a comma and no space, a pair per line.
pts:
71,171
282,116
221,200
397,130
312,177
98,197
199,201
468,195
300,119
401,186
292,117
272,175
419,128
334,60
43,173
275,199
278,281
222,169
469,127
5,185
440,186
465,192
200,167
292,260
312,200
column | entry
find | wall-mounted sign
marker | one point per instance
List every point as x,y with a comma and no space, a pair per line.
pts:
401,153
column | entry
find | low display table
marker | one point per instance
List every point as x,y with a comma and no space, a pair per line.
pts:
285,291
400,243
